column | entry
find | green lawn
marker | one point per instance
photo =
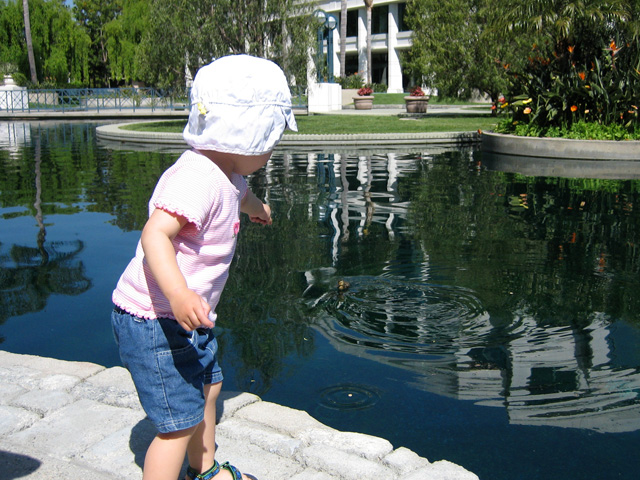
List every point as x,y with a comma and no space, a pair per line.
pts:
327,124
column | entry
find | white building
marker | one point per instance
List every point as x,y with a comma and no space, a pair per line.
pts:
390,37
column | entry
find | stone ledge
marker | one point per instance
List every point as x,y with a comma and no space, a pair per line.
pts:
560,148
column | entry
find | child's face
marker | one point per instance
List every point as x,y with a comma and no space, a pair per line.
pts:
246,165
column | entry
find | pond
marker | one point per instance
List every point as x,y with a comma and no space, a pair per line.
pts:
487,318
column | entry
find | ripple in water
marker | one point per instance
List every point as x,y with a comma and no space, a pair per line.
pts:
401,316
348,396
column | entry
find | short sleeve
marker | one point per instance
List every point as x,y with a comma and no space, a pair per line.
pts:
185,191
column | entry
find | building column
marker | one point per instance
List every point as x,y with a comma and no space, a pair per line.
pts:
362,43
394,69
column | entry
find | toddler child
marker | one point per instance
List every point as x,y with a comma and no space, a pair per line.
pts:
166,298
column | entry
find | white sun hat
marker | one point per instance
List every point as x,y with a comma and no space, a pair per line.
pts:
239,104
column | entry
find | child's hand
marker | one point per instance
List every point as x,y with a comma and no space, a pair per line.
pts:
190,310
263,217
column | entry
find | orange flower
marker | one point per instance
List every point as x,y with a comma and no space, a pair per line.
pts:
574,108
527,111
613,48
570,48
582,76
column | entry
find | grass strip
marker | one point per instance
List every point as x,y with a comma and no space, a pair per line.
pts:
327,124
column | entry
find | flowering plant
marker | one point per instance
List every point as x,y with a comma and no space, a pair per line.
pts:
417,92
364,91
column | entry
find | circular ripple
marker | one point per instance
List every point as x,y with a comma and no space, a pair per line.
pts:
404,316
347,396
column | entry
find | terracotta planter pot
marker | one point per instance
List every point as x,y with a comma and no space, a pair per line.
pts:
364,102
416,104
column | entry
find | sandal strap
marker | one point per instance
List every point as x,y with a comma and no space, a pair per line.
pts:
235,473
208,475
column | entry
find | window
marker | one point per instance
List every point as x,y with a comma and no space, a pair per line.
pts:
352,23
380,19
402,26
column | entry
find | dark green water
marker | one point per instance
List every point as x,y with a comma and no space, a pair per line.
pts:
491,319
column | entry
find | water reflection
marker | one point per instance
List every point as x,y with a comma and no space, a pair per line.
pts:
474,286
31,274
543,366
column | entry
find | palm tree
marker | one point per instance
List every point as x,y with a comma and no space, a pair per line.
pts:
369,5
27,34
343,38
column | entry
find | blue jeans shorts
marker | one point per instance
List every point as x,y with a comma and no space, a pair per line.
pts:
169,366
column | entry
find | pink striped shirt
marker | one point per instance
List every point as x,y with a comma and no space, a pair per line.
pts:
195,188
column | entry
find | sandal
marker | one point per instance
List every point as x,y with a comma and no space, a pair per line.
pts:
213,471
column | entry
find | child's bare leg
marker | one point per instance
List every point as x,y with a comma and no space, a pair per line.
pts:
201,449
202,446
165,455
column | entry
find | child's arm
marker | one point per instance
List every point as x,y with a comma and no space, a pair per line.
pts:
190,310
258,212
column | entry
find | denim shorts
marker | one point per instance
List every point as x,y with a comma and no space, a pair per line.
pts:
169,366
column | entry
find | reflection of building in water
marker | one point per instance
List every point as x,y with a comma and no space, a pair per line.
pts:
14,135
367,204
558,376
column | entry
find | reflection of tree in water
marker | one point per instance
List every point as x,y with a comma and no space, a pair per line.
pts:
28,275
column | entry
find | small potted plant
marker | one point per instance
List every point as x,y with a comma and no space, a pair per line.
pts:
417,101
364,100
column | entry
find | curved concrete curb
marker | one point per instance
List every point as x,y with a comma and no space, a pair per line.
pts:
114,134
559,148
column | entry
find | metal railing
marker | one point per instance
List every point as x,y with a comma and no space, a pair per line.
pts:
85,99
101,99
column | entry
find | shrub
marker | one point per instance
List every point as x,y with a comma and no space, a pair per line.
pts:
595,81
351,81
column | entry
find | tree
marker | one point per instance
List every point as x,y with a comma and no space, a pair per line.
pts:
454,50
369,6
343,38
27,34
197,32
93,16
124,35
60,47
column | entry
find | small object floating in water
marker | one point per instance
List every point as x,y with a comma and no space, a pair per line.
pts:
343,285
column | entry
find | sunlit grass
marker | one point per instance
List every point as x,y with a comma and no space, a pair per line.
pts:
327,124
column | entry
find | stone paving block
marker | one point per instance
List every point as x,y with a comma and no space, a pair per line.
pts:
28,463
283,419
74,428
230,402
8,391
441,470
121,453
404,460
310,474
264,437
112,386
49,366
253,460
14,419
341,465
33,379
372,448
43,402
